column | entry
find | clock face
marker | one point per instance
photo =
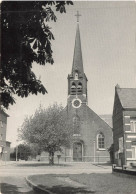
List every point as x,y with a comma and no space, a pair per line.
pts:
76,103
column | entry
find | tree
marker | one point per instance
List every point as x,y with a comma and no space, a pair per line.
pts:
49,129
23,152
26,38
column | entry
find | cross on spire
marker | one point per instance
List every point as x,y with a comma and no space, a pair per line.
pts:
77,15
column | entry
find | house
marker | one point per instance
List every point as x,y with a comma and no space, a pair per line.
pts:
4,145
124,126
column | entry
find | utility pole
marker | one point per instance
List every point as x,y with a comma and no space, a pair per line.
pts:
17,145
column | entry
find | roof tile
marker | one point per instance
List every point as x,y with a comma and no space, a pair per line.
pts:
127,97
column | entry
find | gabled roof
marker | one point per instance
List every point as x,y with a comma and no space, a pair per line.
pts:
77,58
96,117
3,112
127,97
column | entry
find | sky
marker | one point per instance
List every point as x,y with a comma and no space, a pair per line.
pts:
108,40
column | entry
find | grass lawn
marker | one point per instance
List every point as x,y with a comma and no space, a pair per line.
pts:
107,183
86,183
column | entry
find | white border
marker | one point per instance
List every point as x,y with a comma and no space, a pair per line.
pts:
74,101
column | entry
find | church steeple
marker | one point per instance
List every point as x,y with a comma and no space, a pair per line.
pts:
77,58
77,81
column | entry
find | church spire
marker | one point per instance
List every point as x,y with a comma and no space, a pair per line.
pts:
77,59
77,80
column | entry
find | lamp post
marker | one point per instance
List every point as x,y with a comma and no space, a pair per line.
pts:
16,152
1,152
94,150
5,156
17,140
98,156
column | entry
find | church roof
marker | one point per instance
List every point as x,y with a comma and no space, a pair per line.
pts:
127,97
98,118
77,59
107,118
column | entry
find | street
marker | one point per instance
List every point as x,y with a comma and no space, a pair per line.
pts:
12,176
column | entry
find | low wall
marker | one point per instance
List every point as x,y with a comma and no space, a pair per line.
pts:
123,171
99,159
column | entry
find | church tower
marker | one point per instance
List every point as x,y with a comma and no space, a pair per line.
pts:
77,80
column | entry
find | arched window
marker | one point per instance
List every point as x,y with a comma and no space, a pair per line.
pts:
76,124
76,76
79,85
79,88
100,141
73,88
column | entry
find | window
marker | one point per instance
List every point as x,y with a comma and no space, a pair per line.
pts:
73,88
76,125
133,151
76,120
100,141
76,76
79,86
1,123
133,124
1,136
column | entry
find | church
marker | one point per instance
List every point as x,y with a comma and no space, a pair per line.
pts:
92,136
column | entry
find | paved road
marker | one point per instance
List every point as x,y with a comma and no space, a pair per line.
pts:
27,168
13,175
14,184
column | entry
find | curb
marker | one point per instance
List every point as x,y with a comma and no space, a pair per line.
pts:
41,190
36,187
122,174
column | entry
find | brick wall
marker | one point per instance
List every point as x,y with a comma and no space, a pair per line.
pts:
90,125
117,126
129,136
121,128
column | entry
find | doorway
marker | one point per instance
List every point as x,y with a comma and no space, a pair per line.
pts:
77,152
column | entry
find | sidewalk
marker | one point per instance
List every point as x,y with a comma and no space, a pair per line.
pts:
4,163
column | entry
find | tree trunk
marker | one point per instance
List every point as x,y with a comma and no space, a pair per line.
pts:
51,158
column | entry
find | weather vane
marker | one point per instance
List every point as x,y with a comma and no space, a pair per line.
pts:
77,15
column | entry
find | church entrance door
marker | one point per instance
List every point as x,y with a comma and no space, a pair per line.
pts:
77,152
